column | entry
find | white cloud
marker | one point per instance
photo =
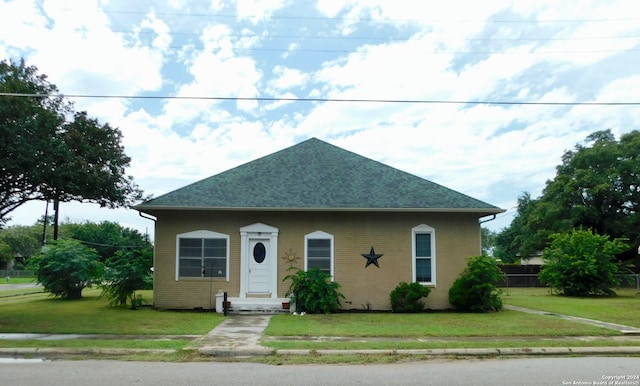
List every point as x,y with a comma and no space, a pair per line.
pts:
401,49
257,10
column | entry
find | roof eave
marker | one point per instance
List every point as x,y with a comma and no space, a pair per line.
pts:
485,211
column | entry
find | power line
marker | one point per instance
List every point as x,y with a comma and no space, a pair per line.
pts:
324,18
338,100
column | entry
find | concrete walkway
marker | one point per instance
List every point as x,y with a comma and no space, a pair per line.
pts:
238,335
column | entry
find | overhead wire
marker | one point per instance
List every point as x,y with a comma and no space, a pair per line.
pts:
343,100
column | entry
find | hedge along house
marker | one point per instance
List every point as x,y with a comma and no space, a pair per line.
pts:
370,226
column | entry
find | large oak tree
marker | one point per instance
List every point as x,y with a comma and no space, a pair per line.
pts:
51,152
596,187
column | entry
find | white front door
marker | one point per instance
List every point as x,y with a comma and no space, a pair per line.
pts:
259,266
259,260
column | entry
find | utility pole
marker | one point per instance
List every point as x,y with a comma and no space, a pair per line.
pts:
44,228
56,205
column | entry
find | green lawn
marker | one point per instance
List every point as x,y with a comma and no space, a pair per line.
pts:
91,315
622,309
460,330
389,331
17,280
40,313
438,324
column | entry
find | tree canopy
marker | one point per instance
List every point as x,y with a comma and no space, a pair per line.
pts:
596,187
107,238
19,243
51,152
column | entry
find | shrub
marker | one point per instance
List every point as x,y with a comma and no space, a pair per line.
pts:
581,263
125,273
408,297
476,288
66,268
313,291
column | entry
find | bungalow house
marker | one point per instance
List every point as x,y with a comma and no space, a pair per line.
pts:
370,226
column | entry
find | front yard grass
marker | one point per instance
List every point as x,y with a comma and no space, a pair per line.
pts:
622,309
40,313
91,315
433,330
431,324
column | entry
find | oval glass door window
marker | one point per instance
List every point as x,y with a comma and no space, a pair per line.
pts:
259,253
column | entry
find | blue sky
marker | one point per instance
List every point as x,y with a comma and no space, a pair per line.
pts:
463,51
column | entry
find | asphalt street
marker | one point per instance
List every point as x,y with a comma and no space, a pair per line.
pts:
522,371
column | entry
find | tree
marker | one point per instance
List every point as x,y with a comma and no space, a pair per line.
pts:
50,152
596,187
125,273
107,238
20,242
581,263
488,241
66,268
476,289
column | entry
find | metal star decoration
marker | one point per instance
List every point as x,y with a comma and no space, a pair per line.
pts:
372,258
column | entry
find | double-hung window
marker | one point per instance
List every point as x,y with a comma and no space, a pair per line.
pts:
318,251
424,254
202,254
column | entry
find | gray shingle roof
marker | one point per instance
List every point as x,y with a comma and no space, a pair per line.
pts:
316,175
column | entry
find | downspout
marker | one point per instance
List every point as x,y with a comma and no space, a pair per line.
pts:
155,221
482,222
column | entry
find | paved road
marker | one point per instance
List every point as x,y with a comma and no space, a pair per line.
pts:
525,371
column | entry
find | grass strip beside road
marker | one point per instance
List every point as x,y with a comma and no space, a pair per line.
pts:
434,343
154,344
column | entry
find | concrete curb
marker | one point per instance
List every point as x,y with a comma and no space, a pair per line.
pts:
237,352
265,351
457,352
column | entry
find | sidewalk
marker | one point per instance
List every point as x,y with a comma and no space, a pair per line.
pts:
625,330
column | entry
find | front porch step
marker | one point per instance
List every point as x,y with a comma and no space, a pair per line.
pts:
250,306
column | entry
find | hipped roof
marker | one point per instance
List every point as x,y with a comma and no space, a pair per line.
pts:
315,175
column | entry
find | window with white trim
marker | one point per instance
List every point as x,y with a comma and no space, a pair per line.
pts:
424,254
202,254
318,251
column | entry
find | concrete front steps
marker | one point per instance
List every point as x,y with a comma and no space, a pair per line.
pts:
256,305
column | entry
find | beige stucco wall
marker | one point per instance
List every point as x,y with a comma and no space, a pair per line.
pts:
457,237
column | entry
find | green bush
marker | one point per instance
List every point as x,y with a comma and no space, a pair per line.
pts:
313,291
476,288
125,273
66,267
407,297
581,263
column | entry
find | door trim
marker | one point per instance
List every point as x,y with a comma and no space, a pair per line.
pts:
258,231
